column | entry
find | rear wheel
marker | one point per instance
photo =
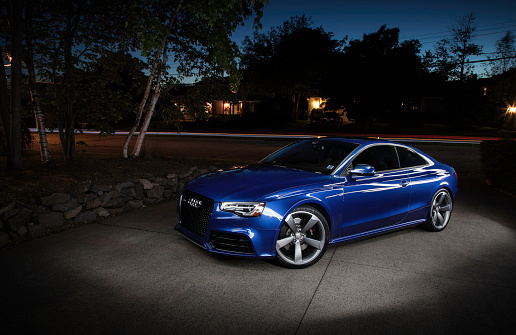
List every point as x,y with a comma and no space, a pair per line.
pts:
440,211
303,238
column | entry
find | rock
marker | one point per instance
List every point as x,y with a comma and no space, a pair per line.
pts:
84,187
168,194
151,201
139,190
4,238
121,186
70,204
11,213
107,197
86,216
83,200
19,220
38,210
192,170
113,199
201,172
148,176
130,192
36,231
213,168
172,182
135,204
156,192
22,232
7,208
171,176
184,175
161,181
72,212
92,204
115,211
101,188
147,185
54,199
102,212
51,220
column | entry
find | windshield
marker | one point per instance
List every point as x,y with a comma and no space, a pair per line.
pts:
320,156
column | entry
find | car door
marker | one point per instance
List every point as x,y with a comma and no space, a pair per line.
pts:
374,202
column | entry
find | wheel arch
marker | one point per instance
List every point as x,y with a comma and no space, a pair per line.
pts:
319,208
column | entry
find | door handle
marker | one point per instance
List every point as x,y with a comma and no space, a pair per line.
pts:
404,183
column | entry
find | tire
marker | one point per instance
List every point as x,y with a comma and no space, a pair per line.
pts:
440,211
303,238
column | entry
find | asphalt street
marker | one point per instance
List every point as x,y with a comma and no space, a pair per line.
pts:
135,274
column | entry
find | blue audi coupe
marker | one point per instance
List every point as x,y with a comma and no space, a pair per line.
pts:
314,193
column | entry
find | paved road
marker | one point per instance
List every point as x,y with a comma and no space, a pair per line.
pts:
134,274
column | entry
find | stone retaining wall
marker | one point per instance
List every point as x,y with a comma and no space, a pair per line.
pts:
91,202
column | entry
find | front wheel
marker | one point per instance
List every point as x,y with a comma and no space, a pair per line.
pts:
440,211
303,238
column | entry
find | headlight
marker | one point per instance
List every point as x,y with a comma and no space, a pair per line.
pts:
243,208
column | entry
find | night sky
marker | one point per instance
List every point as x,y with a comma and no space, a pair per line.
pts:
427,21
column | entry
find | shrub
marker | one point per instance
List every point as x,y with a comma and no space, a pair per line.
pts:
499,163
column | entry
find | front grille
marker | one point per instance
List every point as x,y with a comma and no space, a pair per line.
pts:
231,242
195,212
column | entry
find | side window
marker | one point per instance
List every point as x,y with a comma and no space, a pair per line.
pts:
409,158
381,157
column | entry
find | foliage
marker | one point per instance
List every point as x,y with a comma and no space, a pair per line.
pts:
291,59
377,76
505,57
109,89
77,34
451,54
499,163
199,38
191,100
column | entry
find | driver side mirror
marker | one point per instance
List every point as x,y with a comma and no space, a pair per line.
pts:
363,170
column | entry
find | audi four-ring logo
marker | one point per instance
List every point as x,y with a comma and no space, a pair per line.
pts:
195,203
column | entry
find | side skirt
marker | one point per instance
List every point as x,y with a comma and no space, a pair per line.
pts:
376,231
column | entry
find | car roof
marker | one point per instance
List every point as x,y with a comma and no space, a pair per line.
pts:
356,140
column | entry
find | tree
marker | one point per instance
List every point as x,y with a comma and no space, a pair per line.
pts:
11,112
292,59
109,89
378,76
505,57
77,34
452,53
197,34
34,91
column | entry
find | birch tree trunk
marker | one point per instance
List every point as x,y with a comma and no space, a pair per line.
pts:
142,106
148,117
155,96
34,93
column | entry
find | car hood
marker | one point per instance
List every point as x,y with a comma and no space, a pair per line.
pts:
252,183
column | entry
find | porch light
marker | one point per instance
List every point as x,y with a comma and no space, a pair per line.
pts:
511,109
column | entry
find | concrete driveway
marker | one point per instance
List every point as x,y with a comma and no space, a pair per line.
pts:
134,274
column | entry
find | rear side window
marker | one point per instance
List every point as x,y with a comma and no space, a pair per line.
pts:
409,158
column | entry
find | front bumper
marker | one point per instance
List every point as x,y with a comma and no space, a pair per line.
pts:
248,242
203,223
